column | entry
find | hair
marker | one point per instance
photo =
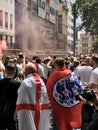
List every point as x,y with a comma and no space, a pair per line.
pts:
95,58
77,62
87,60
38,60
30,68
59,61
34,57
10,67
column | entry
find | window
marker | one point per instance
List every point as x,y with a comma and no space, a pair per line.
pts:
85,45
6,37
1,37
61,1
11,21
1,18
60,23
11,41
42,5
52,11
6,20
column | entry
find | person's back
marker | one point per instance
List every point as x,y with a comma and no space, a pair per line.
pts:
77,66
90,112
32,103
62,85
8,97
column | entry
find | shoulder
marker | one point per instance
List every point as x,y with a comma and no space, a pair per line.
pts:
2,82
29,79
57,75
94,72
14,82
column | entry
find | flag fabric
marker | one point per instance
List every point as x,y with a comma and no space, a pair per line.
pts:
33,104
62,86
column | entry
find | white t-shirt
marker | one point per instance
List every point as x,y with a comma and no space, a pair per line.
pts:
47,69
94,76
76,70
84,73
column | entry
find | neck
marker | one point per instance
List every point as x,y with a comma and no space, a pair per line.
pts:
9,76
94,66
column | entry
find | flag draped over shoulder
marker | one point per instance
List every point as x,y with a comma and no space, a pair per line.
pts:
33,104
62,86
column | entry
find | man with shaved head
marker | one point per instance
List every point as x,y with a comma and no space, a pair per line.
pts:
30,68
32,103
62,86
8,97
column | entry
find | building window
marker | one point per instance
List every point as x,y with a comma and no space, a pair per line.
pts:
6,38
1,37
60,23
11,41
1,18
11,21
61,1
6,20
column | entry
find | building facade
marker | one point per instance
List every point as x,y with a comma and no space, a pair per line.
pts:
84,44
62,26
45,26
70,27
7,22
67,24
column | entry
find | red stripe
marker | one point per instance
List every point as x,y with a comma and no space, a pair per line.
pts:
36,107
38,93
36,65
32,107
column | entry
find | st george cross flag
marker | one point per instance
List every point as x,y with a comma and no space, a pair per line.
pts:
62,86
33,104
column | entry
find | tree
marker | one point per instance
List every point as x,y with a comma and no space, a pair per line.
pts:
88,11
95,47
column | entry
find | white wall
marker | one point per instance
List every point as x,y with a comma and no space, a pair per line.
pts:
9,7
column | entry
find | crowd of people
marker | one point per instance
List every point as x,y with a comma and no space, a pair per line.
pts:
31,87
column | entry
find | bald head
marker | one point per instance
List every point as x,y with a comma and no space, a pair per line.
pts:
29,69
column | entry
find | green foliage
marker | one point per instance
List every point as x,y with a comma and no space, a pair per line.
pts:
88,11
95,47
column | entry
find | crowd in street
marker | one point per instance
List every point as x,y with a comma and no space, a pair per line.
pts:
31,87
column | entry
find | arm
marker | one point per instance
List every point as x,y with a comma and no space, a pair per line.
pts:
93,80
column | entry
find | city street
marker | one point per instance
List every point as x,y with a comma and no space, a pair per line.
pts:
48,62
